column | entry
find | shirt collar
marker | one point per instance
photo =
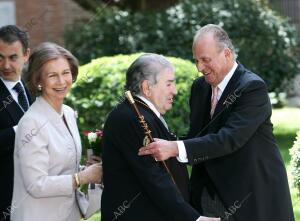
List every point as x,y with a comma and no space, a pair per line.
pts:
227,78
10,84
150,104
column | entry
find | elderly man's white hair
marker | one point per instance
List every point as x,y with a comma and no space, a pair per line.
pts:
146,67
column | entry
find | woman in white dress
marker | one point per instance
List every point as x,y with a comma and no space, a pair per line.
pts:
47,146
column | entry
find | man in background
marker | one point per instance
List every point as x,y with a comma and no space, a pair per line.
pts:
14,101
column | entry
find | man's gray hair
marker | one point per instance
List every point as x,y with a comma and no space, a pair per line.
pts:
146,67
220,35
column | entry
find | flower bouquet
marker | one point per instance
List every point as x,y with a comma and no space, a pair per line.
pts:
94,142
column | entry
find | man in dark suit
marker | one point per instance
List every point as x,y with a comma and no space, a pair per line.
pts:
140,188
14,101
238,173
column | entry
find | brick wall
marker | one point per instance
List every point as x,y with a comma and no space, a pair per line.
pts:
46,20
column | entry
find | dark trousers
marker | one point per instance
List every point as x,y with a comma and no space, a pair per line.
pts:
5,213
212,206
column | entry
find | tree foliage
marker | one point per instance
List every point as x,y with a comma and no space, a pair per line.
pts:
264,41
99,88
295,162
135,5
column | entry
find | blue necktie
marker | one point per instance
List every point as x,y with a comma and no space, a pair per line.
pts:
21,96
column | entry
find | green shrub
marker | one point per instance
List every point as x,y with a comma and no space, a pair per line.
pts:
265,42
295,162
99,88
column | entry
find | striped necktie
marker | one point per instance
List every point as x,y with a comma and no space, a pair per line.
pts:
214,100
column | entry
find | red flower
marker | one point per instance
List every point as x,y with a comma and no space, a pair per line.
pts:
86,132
99,133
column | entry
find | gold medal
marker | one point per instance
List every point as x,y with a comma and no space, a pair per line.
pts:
146,140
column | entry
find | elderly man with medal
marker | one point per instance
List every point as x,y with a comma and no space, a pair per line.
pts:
141,188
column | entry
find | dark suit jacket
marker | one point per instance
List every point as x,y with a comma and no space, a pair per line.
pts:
10,114
138,187
236,155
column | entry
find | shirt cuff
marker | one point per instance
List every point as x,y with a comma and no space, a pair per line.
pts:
182,156
15,128
198,219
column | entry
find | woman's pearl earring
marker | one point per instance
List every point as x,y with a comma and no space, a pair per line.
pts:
39,87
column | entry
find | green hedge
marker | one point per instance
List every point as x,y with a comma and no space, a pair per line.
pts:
99,88
295,162
265,42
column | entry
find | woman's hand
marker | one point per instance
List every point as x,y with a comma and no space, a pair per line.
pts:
91,174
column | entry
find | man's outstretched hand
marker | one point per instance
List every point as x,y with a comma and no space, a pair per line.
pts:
160,149
204,218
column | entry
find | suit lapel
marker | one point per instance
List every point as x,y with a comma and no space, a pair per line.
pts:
229,91
70,135
159,123
9,104
206,106
30,99
200,107
73,130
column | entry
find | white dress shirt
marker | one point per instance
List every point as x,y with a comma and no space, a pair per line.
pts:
150,105
182,155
